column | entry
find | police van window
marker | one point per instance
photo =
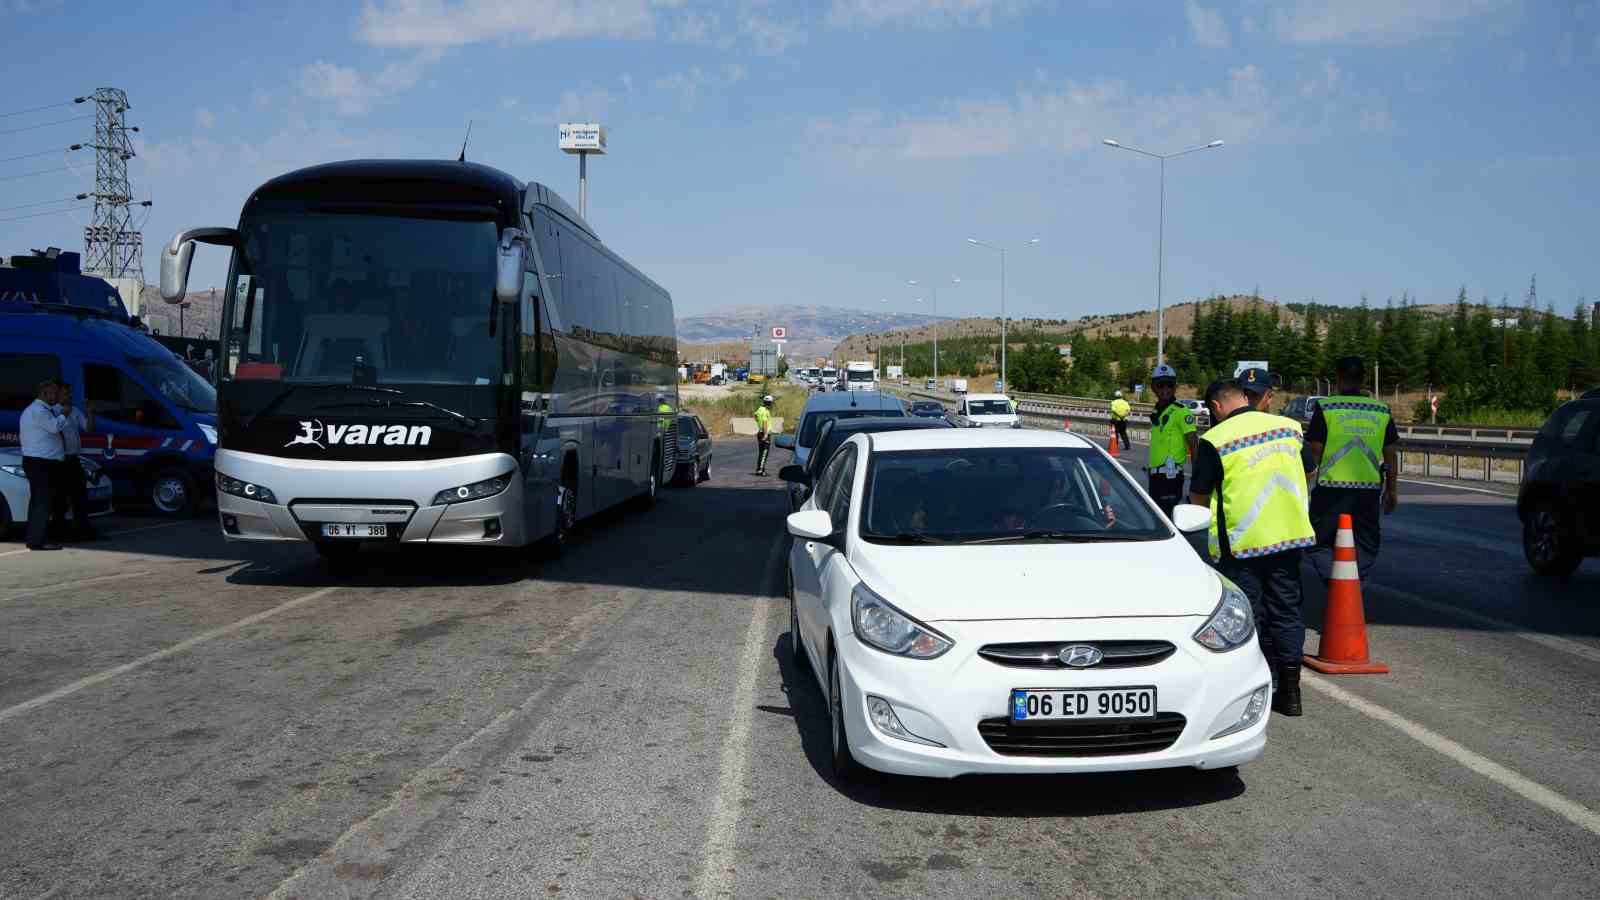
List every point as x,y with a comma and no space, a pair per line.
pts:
20,374
120,399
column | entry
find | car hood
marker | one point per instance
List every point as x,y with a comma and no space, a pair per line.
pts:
1041,580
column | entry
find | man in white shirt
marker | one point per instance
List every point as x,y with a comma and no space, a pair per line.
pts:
42,452
71,491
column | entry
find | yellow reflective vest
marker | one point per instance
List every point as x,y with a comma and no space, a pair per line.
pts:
1263,489
1353,454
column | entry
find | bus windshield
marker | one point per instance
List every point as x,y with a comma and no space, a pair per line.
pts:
860,374
342,297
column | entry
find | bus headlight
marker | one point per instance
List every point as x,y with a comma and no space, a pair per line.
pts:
474,491
227,484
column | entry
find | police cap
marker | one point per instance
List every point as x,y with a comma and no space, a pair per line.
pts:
1254,380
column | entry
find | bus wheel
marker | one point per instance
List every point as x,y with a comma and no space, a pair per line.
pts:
653,484
566,512
172,493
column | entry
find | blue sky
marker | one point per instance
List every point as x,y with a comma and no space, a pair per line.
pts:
826,152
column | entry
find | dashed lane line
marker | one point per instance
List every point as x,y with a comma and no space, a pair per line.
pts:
1575,648
189,644
717,860
1576,813
1457,487
64,585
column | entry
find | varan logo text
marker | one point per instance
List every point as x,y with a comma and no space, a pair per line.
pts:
313,433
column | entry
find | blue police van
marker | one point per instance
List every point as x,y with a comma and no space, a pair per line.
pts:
53,276
155,418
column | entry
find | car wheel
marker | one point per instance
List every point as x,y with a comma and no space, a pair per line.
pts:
845,767
694,472
797,649
172,493
1548,542
705,473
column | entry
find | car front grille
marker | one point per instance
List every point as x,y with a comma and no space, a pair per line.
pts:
1046,654
1096,737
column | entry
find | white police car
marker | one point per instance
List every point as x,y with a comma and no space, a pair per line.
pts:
14,491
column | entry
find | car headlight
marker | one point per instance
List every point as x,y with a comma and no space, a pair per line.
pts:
14,470
1231,624
474,491
881,626
91,469
209,431
227,484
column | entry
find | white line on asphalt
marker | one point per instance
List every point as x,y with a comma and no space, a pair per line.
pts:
147,659
1457,487
1576,813
64,585
1575,648
716,862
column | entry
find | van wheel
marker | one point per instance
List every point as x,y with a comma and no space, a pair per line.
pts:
1548,542
172,493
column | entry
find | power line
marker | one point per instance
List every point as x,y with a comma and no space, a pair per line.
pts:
41,153
53,212
30,174
46,124
36,109
43,203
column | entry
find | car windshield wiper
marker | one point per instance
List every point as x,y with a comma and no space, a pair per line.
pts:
1041,534
277,401
421,404
907,537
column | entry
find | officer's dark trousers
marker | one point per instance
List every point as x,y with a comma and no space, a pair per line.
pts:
763,447
41,497
1122,432
1273,584
1366,512
1166,492
75,494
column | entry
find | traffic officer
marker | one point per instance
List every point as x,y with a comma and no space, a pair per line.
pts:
1120,410
663,413
1172,440
1249,467
1347,435
763,434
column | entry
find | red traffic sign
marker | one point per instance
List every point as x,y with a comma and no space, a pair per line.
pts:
779,332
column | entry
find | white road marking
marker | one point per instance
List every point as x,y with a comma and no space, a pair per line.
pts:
15,552
92,680
716,861
1576,813
1454,487
64,585
1581,650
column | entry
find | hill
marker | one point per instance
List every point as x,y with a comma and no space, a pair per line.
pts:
812,330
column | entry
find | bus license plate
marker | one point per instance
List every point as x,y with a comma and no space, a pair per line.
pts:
340,530
1089,703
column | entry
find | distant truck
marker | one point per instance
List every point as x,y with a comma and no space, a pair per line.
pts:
896,372
830,377
958,385
860,376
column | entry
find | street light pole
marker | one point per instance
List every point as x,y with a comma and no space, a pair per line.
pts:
1004,384
1161,227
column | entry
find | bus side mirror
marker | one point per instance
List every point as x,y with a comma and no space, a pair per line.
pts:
176,257
511,261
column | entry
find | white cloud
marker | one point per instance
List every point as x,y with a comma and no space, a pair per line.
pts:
589,105
351,91
435,23
1374,21
1072,118
204,117
926,13
1207,25
688,83
769,35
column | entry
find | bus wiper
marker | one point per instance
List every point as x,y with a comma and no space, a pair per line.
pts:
284,395
1040,534
386,404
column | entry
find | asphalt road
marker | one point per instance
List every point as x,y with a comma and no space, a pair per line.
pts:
181,717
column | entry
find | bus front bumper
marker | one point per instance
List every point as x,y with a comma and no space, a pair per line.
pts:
371,502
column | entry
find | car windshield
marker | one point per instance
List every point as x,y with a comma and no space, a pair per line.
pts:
812,424
181,385
988,408
928,406
1003,495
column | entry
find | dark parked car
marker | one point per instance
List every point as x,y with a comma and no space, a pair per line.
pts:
928,409
694,452
1301,409
833,434
1559,501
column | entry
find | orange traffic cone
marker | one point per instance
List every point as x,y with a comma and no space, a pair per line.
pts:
1113,449
1343,649
1066,424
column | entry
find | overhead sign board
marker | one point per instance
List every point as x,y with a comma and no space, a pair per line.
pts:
583,137
1248,364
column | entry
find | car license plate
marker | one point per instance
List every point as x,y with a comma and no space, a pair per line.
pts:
1031,705
339,530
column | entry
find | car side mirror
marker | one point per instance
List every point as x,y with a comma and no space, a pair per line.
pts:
1188,517
794,475
784,442
177,256
811,525
510,262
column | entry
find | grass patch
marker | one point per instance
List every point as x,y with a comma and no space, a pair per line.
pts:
718,414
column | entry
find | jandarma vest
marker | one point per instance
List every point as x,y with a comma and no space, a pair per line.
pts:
1352,457
1263,489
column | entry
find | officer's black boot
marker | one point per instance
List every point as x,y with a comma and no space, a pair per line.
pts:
1287,698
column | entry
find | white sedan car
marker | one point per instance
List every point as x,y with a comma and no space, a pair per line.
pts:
14,490
1009,601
